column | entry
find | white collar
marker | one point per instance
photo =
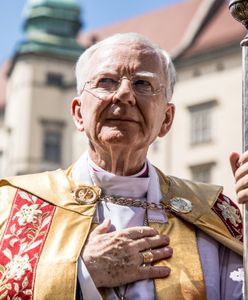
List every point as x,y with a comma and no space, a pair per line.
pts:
81,173
126,186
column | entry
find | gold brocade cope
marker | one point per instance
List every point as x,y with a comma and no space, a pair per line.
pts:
56,273
185,281
203,198
60,256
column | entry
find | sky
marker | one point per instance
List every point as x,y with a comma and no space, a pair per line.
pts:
95,14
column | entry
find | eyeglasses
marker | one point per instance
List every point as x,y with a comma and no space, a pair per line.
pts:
104,86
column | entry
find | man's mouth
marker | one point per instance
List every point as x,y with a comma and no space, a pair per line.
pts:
122,120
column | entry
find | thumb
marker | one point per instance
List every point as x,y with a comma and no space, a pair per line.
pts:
104,227
234,161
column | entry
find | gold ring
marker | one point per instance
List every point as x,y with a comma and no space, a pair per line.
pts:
147,256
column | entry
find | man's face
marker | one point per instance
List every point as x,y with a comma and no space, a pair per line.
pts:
124,119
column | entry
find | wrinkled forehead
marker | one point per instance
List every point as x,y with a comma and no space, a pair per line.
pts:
125,58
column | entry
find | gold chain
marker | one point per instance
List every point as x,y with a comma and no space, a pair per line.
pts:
134,202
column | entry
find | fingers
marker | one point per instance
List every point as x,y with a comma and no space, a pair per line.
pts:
115,250
162,253
239,164
148,238
139,232
241,172
134,233
104,227
150,272
141,237
242,196
158,254
241,178
234,161
243,157
151,242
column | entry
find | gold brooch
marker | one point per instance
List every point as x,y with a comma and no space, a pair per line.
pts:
85,194
180,205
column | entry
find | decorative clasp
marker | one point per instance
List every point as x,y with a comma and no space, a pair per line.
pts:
85,194
181,205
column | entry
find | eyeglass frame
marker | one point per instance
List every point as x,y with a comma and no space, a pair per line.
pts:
156,92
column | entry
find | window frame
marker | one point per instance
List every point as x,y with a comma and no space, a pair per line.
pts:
203,167
201,120
52,126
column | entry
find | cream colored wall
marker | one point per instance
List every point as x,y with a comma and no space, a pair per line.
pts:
17,118
30,101
176,154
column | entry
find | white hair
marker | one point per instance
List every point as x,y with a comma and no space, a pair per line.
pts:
169,70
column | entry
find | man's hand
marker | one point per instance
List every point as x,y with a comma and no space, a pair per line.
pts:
239,164
114,258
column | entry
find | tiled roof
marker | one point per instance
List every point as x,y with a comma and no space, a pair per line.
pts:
165,26
221,31
168,27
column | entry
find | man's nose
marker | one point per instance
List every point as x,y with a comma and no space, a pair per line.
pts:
125,92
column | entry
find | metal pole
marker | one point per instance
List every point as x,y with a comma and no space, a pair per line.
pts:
239,10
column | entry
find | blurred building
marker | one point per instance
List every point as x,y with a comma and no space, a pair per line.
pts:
204,42
37,122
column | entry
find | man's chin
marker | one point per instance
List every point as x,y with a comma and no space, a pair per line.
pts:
118,137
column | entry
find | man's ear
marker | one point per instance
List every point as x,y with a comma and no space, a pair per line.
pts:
168,119
77,114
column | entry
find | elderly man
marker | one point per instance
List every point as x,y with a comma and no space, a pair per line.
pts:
112,226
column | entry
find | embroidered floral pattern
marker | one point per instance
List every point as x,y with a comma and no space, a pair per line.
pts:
230,215
237,275
17,267
27,214
21,245
229,212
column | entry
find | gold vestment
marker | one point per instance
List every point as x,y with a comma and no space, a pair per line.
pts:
56,271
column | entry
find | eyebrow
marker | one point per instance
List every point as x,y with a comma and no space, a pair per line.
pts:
104,73
146,74
143,74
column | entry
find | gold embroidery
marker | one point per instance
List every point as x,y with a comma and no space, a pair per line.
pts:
25,233
229,212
